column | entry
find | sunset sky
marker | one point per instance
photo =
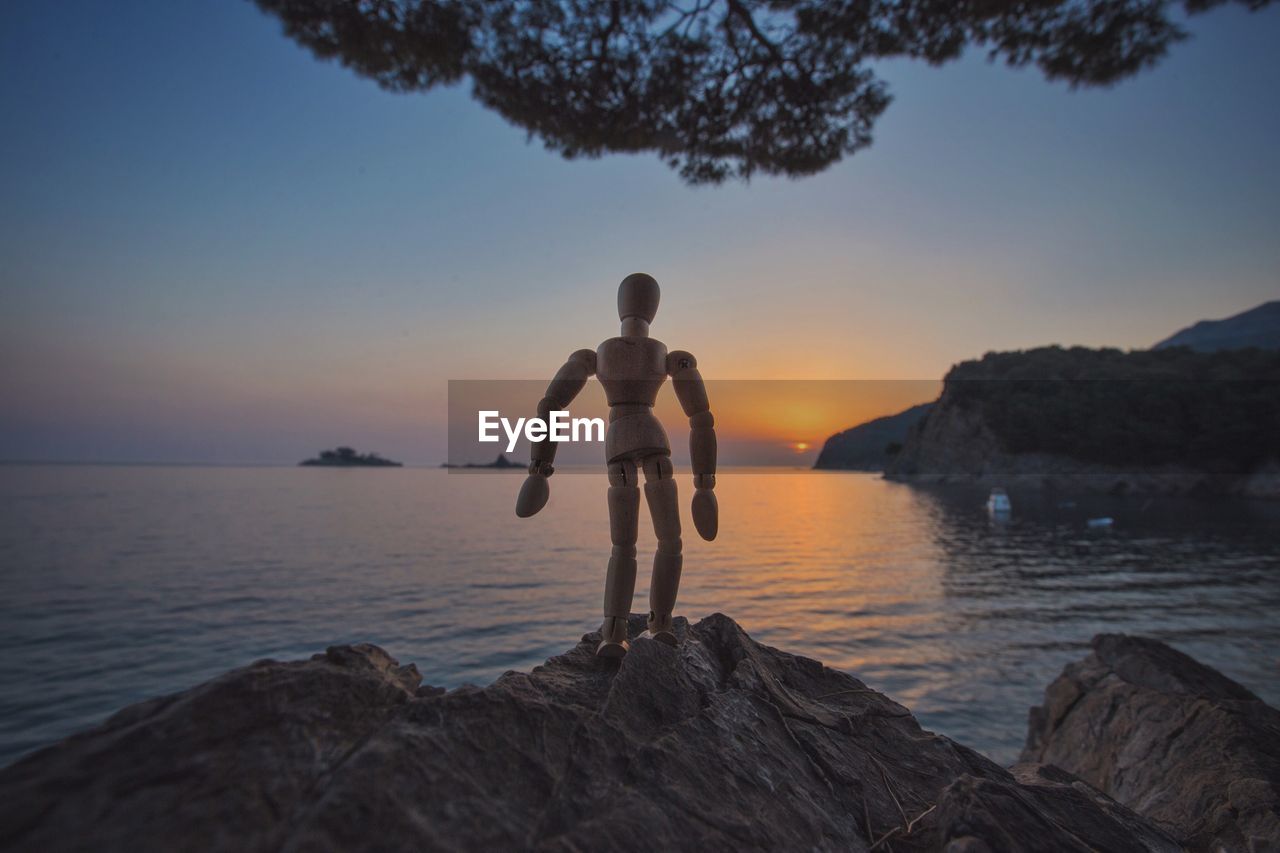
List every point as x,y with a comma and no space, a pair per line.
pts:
217,249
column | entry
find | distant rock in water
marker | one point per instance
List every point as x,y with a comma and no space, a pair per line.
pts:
346,457
1257,327
1173,739
870,446
501,462
721,743
1147,421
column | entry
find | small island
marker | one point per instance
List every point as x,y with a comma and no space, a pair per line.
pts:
501,462
346,457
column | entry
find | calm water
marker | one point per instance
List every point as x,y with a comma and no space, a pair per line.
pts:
121,583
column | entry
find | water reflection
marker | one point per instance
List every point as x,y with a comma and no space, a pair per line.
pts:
141,581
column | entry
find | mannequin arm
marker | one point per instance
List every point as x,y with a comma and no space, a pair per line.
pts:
692,393
568,381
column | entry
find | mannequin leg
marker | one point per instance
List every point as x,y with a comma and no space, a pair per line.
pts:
620,583
664,507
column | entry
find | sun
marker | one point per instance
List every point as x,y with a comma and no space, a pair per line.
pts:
799,446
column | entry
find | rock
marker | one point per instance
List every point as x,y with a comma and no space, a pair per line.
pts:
865,447
1174,740
1042,802
221,766
720,743
1083,420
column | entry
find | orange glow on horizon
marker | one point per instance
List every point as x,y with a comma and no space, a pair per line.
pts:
765,421
777,411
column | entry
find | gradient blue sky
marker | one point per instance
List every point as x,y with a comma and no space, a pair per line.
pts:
215,248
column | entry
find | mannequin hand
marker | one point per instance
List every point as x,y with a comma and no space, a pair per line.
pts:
533,495
706,513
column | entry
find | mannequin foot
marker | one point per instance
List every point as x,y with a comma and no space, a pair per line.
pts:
660,629
608,649
613,638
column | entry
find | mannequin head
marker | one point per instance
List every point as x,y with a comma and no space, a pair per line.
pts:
637,303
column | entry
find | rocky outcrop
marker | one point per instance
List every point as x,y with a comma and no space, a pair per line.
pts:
721,743
1172,739
955,445
868,446
1173,422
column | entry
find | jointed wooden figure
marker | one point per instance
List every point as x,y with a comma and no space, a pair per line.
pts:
631,368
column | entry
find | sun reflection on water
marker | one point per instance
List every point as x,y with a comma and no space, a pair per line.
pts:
148,580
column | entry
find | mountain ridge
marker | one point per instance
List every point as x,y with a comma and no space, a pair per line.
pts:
1257,327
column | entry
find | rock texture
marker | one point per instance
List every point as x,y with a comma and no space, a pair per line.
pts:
1174,740
719,744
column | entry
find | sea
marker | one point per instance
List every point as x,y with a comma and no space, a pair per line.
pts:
119,583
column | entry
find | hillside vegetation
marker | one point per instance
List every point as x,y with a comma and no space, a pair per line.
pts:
1217,411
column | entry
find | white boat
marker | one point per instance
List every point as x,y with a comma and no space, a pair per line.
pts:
1105,521
998,503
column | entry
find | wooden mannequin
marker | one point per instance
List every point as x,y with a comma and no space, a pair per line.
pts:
631,368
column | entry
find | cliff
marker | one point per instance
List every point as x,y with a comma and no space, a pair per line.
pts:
864,447
1168,421
720,743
